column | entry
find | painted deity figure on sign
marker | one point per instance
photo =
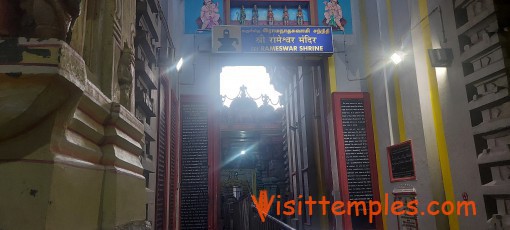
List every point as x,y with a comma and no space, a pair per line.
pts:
299,16
242,17
285,16
209,14
333,15
270,16
255,15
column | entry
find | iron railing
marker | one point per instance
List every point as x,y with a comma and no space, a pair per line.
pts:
244,216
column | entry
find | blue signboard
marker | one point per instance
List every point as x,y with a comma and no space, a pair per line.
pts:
272,39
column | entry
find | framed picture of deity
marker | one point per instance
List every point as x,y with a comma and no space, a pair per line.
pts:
335,13
202,15
271,13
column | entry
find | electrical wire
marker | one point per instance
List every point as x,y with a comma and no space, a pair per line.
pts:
437,8
347,69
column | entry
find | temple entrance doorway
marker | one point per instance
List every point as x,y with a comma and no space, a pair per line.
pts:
251,140
272,137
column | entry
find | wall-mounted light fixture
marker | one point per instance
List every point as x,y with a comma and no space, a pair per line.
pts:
397,57
441,57
179,64
178,67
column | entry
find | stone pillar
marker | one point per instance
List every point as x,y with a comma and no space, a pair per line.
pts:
69,156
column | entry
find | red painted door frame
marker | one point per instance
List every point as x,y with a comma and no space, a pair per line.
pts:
340,150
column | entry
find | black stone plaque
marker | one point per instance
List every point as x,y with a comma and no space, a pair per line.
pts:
359,179
401,162
194,176
356,159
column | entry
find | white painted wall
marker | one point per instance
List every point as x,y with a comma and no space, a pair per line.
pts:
416,104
